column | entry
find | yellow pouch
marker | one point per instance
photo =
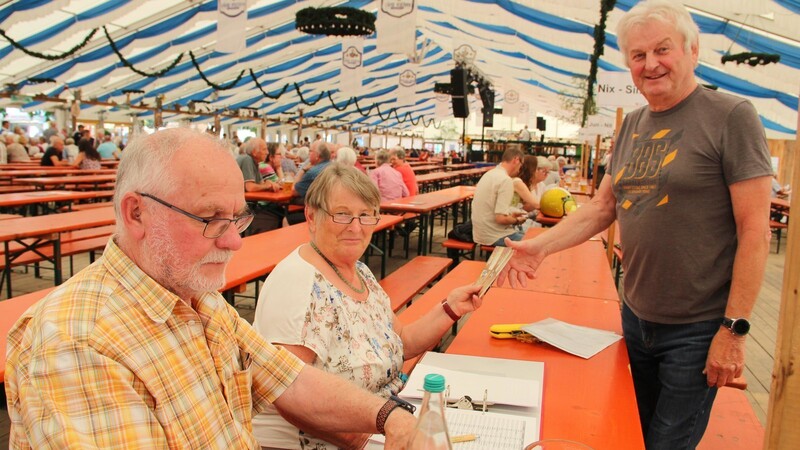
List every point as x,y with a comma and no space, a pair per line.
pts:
511,331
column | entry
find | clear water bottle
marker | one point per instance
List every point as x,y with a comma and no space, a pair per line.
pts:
431,430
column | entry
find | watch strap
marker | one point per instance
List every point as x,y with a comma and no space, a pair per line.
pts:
449,311
383,414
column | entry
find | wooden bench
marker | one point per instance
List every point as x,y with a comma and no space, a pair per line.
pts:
85,206
458,249
733,424
407,281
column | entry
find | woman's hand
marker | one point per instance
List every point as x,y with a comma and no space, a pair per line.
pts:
465,299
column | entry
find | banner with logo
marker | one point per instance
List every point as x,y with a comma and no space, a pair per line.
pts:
523,113
397,26
444,106
231,26
511,103
352,64
463,51
407,87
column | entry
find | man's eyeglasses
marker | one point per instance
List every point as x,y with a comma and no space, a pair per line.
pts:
347,219
214,228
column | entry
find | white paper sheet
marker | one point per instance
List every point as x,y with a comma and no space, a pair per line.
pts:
580,341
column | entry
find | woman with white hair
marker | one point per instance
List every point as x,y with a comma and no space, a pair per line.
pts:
347,156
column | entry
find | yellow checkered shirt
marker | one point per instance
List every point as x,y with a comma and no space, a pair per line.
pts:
111,359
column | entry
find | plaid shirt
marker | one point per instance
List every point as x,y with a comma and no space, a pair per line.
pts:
111,359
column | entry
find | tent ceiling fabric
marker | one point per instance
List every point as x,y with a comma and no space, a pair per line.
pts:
540,48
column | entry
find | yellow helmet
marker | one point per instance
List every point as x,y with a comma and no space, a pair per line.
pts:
557,202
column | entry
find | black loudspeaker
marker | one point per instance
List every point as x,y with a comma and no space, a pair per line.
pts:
541,124
458,82
488,119
458,92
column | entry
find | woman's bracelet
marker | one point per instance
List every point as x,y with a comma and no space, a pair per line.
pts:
449,311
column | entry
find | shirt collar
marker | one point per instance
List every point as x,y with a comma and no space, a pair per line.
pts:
156,301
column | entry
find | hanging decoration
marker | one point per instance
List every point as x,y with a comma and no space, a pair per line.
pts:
127,64
335,21
258,85
753,59
217,87
35,54
606,6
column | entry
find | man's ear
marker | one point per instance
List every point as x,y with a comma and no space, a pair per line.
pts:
132,209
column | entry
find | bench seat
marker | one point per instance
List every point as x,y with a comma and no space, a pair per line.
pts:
407,281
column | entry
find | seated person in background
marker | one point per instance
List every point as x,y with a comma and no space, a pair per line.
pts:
424,155
71,149
553,175
561,163
88,157
301,154
325,306
140,350
347,156
268,216
288,164
539,183
108,149
54,154
778,191
523,198
389,181
397,159
319,156
493,217
15,148
271,169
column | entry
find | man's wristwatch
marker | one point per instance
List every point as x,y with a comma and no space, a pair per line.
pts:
739,327
387,408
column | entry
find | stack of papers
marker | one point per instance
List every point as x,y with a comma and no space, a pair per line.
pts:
580,341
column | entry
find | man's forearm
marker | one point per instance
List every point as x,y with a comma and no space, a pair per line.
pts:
748,272
321,403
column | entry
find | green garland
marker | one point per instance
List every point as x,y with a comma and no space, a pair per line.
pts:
217,87
258,85
753,59
335,21
599,44
127,64
66,54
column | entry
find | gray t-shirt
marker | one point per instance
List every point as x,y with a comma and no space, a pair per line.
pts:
671,171
249,169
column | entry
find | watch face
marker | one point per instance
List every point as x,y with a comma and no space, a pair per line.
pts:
740,327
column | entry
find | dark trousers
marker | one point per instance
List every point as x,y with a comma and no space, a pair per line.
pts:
667,363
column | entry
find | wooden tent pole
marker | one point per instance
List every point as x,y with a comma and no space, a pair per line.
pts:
783,412
612,229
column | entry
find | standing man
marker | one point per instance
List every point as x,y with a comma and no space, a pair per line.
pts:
139,350
268,216
398,161
493,219
689,182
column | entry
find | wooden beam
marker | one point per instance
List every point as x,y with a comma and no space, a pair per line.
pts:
783,413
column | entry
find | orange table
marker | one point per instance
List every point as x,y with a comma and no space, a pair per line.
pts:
425,205
35,232
261,252
50,182
268,196
10,311
590,401
581,271
10,200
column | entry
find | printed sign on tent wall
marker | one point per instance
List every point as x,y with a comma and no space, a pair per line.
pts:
616,89
231,26
443,106
407,87
511,103
350,74
523,114
396,26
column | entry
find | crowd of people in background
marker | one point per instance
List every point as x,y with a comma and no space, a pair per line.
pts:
54,147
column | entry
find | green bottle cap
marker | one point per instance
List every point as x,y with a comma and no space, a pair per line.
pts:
434,383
